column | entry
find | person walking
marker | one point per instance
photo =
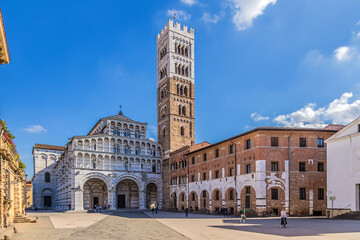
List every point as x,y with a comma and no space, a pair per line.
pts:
152,207
69,206
100,207
156,208
242,215
283,217
186,212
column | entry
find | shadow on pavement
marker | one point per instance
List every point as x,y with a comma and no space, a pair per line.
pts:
296,226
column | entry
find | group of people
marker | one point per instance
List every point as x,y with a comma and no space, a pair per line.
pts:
154,207
98,207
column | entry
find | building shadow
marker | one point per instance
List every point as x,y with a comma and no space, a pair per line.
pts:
296,227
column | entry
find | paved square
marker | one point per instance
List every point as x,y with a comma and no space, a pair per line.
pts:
168,225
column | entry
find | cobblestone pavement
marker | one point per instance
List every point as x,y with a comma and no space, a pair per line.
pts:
120,225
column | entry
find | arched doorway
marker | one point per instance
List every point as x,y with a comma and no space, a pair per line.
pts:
173,203
151,194
127,194
47,198
95,193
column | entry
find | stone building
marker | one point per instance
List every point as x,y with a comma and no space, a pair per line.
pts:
4,51
12,180
115,165
29,198
343,172
262,169
45,158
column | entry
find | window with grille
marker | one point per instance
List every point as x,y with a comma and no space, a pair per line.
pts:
274,166
302,194
321,194
204,157
302,166
217,174
274,141
231,194
247,190
274,194
217,195
321,167
248,168
217,153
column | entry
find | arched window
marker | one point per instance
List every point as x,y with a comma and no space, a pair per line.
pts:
126,149
186,52
184,110
176,68
154,168
179,69
177,89
185,91
47,177
93,162
179,49
163,132
137,151
175,47
182,131
186,71
179,110
181,90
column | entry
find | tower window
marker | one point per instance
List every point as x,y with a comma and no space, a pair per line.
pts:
321,194
204,157
302,167
47,177
182,131
184,111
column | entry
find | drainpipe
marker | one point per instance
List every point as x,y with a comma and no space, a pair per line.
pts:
235,170
289,165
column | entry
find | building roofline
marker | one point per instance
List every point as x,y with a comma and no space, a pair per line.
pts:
50,147
263,129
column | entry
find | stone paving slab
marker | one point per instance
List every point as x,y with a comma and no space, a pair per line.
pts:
120,225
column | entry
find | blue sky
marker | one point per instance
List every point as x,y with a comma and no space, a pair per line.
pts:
257,63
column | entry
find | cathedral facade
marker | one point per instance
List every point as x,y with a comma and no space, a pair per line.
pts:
114,166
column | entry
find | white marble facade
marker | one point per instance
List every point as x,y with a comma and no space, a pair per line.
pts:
115,165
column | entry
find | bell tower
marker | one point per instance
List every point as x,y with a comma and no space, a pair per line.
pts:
175,86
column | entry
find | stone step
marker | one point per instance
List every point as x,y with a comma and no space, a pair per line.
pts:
7,233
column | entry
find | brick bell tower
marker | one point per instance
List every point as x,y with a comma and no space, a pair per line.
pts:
175,87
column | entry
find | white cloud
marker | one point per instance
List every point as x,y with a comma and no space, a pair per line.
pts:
339,111
180,14
207,18
342,53
35,129
257,117
189,2
245,11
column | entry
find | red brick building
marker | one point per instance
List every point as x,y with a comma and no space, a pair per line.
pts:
265,168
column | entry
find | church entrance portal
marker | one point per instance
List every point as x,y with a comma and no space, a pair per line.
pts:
95,193
151,194
128,194
95,202
47,201
121,201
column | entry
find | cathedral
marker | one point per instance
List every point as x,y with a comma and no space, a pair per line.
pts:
115,165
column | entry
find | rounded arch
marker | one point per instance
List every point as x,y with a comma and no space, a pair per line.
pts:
96,175
128,176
